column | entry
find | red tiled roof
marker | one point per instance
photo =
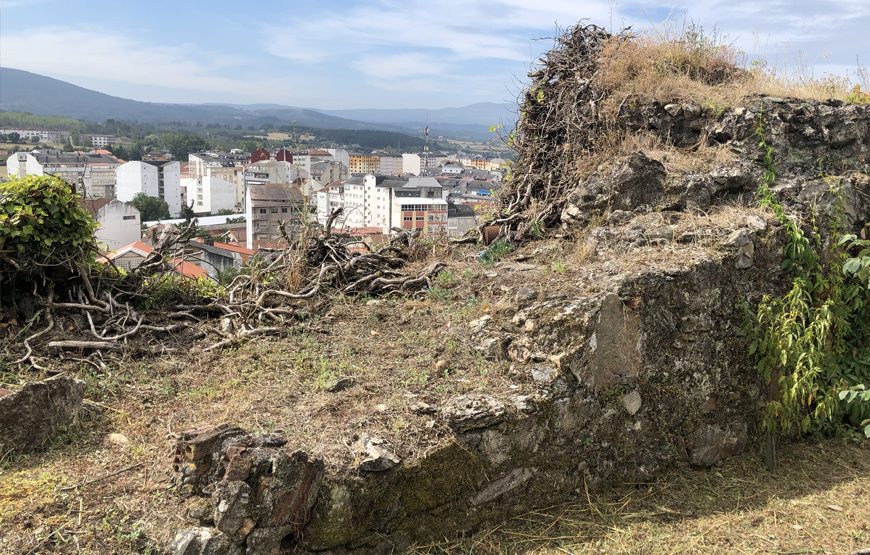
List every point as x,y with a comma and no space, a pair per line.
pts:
93,205
179,266
235,248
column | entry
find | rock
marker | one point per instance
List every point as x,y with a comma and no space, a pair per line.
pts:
374,302
29,416
492,348
742,241
267,541
375,454
202,541
638,182
232,507
464,413
226,325
525,295
340,384
614,357
659,235
673,110
632,402
199,510
477,326
421,407
440,365
496,489
712,443
118,439
755,223
544,376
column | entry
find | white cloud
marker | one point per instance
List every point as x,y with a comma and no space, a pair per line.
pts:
97,54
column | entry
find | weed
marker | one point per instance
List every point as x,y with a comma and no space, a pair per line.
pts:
496,251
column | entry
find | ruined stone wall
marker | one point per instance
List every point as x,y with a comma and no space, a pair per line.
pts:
640,363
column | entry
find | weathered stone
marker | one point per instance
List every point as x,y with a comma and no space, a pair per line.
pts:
199,509
340,384
422,407
375,454
469,412
632,402
614,350
477,326
267,541
742,241
118,439
202,541
29,416
525,295
544,376
232,504
497,488
712,443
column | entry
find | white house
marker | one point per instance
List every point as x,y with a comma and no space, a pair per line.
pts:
209,194
119,222
154,178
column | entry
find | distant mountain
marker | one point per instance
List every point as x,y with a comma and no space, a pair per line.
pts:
23,91
471,121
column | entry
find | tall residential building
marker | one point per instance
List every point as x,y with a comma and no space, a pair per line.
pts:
386,202
270,206
154,178
209,194
227,167
363,163
390,165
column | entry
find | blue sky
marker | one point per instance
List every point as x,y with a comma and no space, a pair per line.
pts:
378,53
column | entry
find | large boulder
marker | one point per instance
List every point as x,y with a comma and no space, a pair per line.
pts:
29,416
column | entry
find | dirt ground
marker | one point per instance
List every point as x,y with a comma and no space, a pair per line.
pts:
105,485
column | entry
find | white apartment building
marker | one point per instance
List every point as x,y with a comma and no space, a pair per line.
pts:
91,170
391,165
227,168
154,178
119,222
386,202
209,194
45,135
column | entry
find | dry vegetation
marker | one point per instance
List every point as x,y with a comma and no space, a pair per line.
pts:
816,503
571,114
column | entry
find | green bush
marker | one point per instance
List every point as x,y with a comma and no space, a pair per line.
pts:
43,224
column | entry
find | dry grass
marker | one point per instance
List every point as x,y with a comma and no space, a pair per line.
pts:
689,64
816,502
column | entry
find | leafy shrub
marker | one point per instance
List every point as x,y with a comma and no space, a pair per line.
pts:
42,223
813,343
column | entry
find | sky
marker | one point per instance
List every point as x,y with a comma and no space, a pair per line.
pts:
381,53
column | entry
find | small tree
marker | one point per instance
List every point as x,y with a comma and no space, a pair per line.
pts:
150,208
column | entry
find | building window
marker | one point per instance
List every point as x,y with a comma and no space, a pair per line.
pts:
262,210
129,217
274,210
284,210
408,218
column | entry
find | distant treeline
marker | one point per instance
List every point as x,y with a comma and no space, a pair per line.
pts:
23,120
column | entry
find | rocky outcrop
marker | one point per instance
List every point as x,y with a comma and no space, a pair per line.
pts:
258,494
635,363
29,416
